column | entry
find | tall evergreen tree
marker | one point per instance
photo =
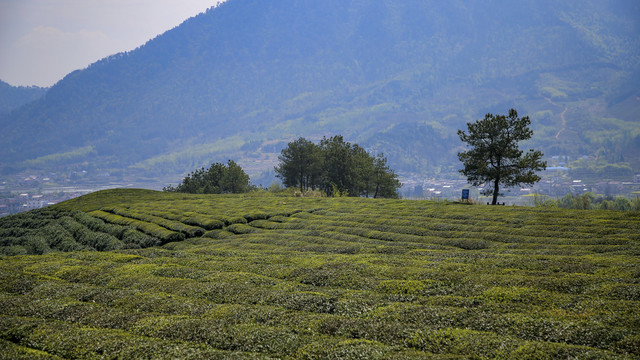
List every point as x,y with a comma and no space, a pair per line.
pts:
494,157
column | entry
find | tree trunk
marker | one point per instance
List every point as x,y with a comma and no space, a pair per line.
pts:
496,189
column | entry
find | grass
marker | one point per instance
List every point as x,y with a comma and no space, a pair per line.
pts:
317,278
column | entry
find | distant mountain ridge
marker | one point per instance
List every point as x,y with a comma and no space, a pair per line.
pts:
247,76
13,97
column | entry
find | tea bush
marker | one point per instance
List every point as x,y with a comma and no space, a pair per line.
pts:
148,228
188,230
316,278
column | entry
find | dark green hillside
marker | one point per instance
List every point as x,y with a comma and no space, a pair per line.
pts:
249,73
327,278
12,97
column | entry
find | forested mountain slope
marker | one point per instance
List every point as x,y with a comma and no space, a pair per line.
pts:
247,76
12,97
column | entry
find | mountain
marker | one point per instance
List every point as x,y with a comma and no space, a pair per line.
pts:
247,76
13,97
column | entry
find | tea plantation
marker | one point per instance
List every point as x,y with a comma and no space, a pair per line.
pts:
261,276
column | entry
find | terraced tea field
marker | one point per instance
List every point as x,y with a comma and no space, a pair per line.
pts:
262,276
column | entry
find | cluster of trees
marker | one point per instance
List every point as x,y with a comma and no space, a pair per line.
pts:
337,168
217,179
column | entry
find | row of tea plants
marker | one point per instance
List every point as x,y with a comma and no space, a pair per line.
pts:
319,278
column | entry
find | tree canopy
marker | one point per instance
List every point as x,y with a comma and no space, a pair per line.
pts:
336,167
217,179
494,156
300,165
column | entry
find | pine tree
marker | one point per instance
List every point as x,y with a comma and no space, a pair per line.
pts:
494,157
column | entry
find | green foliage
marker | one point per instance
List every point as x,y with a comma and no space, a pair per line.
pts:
462,342
148,228
348,349
84,236
590,201
321,278
217,179
600,169
495,158
50,161
187,230
47,230
300,165
338,168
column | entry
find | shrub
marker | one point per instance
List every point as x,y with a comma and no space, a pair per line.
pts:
13,250
152,229
516,295
239,229
69,341
11,350
218,234
188,230
36,245
346,349
60,239
135,239
305,301
400,287
462,342
99,225
545,350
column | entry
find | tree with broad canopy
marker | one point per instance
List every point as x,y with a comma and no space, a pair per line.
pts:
494,157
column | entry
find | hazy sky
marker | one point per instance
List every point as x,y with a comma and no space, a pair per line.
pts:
43,40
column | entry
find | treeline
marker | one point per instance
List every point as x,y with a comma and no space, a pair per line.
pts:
336,167
590,201
217,179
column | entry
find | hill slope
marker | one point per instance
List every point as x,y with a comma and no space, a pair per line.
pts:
247,76
323,278
12,97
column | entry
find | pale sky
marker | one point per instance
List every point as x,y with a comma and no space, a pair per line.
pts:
43,40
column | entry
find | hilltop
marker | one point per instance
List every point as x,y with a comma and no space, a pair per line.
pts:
246,77
13,97
317,278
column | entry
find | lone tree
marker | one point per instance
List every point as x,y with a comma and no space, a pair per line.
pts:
494,156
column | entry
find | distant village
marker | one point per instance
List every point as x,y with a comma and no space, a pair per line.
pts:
24,192
555,184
